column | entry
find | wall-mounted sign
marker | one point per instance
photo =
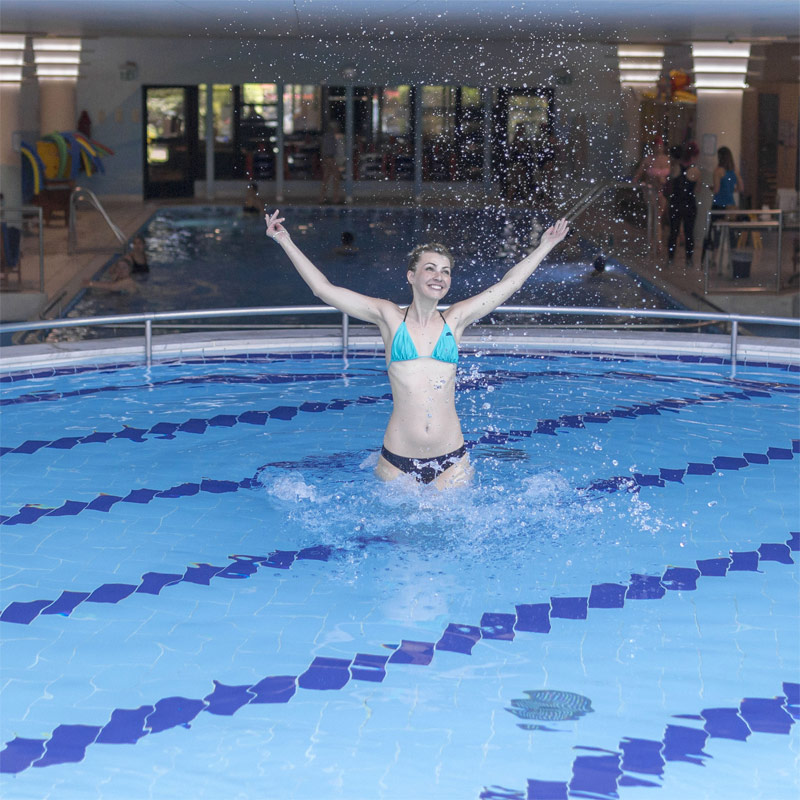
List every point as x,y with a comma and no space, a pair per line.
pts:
129,71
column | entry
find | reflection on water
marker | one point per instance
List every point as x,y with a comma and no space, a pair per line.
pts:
219,258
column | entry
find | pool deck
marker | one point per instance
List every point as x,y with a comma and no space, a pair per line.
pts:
63,273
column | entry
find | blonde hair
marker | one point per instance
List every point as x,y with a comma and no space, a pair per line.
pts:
430,247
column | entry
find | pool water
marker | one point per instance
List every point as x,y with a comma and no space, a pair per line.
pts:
217,257
205,591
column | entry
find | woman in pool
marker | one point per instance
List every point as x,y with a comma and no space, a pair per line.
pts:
423,437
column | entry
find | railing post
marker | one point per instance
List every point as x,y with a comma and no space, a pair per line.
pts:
345,334
734,335
148,341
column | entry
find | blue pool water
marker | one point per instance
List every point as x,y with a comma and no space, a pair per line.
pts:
206,593
206,257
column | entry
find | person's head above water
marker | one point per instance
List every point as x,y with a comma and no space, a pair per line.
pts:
430,268
415,256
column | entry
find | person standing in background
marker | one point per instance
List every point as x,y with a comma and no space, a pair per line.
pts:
682,200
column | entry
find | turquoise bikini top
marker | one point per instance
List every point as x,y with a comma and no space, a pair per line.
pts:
403,348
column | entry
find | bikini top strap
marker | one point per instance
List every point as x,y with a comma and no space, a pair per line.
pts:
442,316
406,314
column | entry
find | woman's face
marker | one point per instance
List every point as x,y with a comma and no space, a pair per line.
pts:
432,275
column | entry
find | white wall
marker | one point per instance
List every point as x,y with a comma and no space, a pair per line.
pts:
114,105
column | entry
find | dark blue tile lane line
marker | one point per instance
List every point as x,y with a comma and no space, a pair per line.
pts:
279,378
195,380
152,583
642,762
31,512
68,743
167,430
667,475
195,425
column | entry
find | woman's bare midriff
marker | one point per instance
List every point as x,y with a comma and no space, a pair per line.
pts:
424,423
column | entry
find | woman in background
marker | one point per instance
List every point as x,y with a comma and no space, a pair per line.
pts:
653,172
682,201
726,181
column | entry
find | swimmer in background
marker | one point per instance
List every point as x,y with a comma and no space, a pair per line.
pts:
423,437
348,245
120,279
137,257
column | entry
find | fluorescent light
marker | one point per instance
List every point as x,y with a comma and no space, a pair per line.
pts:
52,57
640,51
639,77
12,41
57,44
11,58
634,63
720,82
716,49
10,74
57,71
720,65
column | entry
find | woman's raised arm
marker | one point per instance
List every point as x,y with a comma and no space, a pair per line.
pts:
361,306
465,312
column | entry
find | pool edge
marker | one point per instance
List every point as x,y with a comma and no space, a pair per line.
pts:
14,358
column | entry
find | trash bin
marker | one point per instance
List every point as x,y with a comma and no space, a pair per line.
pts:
740,264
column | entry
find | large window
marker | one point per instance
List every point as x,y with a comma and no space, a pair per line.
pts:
225,155
258,129
302,128
382,144
452,133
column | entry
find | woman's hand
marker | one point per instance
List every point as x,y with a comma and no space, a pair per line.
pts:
555,234
274,227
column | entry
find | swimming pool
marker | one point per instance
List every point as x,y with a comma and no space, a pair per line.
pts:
219,257
206,592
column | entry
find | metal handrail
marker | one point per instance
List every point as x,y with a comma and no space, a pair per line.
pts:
77,195
149,318
724,222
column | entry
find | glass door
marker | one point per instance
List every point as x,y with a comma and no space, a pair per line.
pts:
170,120
523,118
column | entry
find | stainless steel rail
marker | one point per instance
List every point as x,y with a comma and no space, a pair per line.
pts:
90,197
148,319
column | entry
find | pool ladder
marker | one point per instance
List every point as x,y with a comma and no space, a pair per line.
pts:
79,194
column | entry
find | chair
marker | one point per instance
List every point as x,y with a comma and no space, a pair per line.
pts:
10,252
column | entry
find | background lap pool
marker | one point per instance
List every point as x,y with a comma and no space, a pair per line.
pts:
206,592
219,258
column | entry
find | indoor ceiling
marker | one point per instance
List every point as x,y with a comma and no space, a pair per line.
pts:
600,20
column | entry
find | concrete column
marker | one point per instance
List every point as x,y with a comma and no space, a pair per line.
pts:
719,124
349,142
57,100
486,97
417,110
10,160
279,145
210,186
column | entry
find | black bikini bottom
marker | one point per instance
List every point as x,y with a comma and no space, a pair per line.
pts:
424,470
